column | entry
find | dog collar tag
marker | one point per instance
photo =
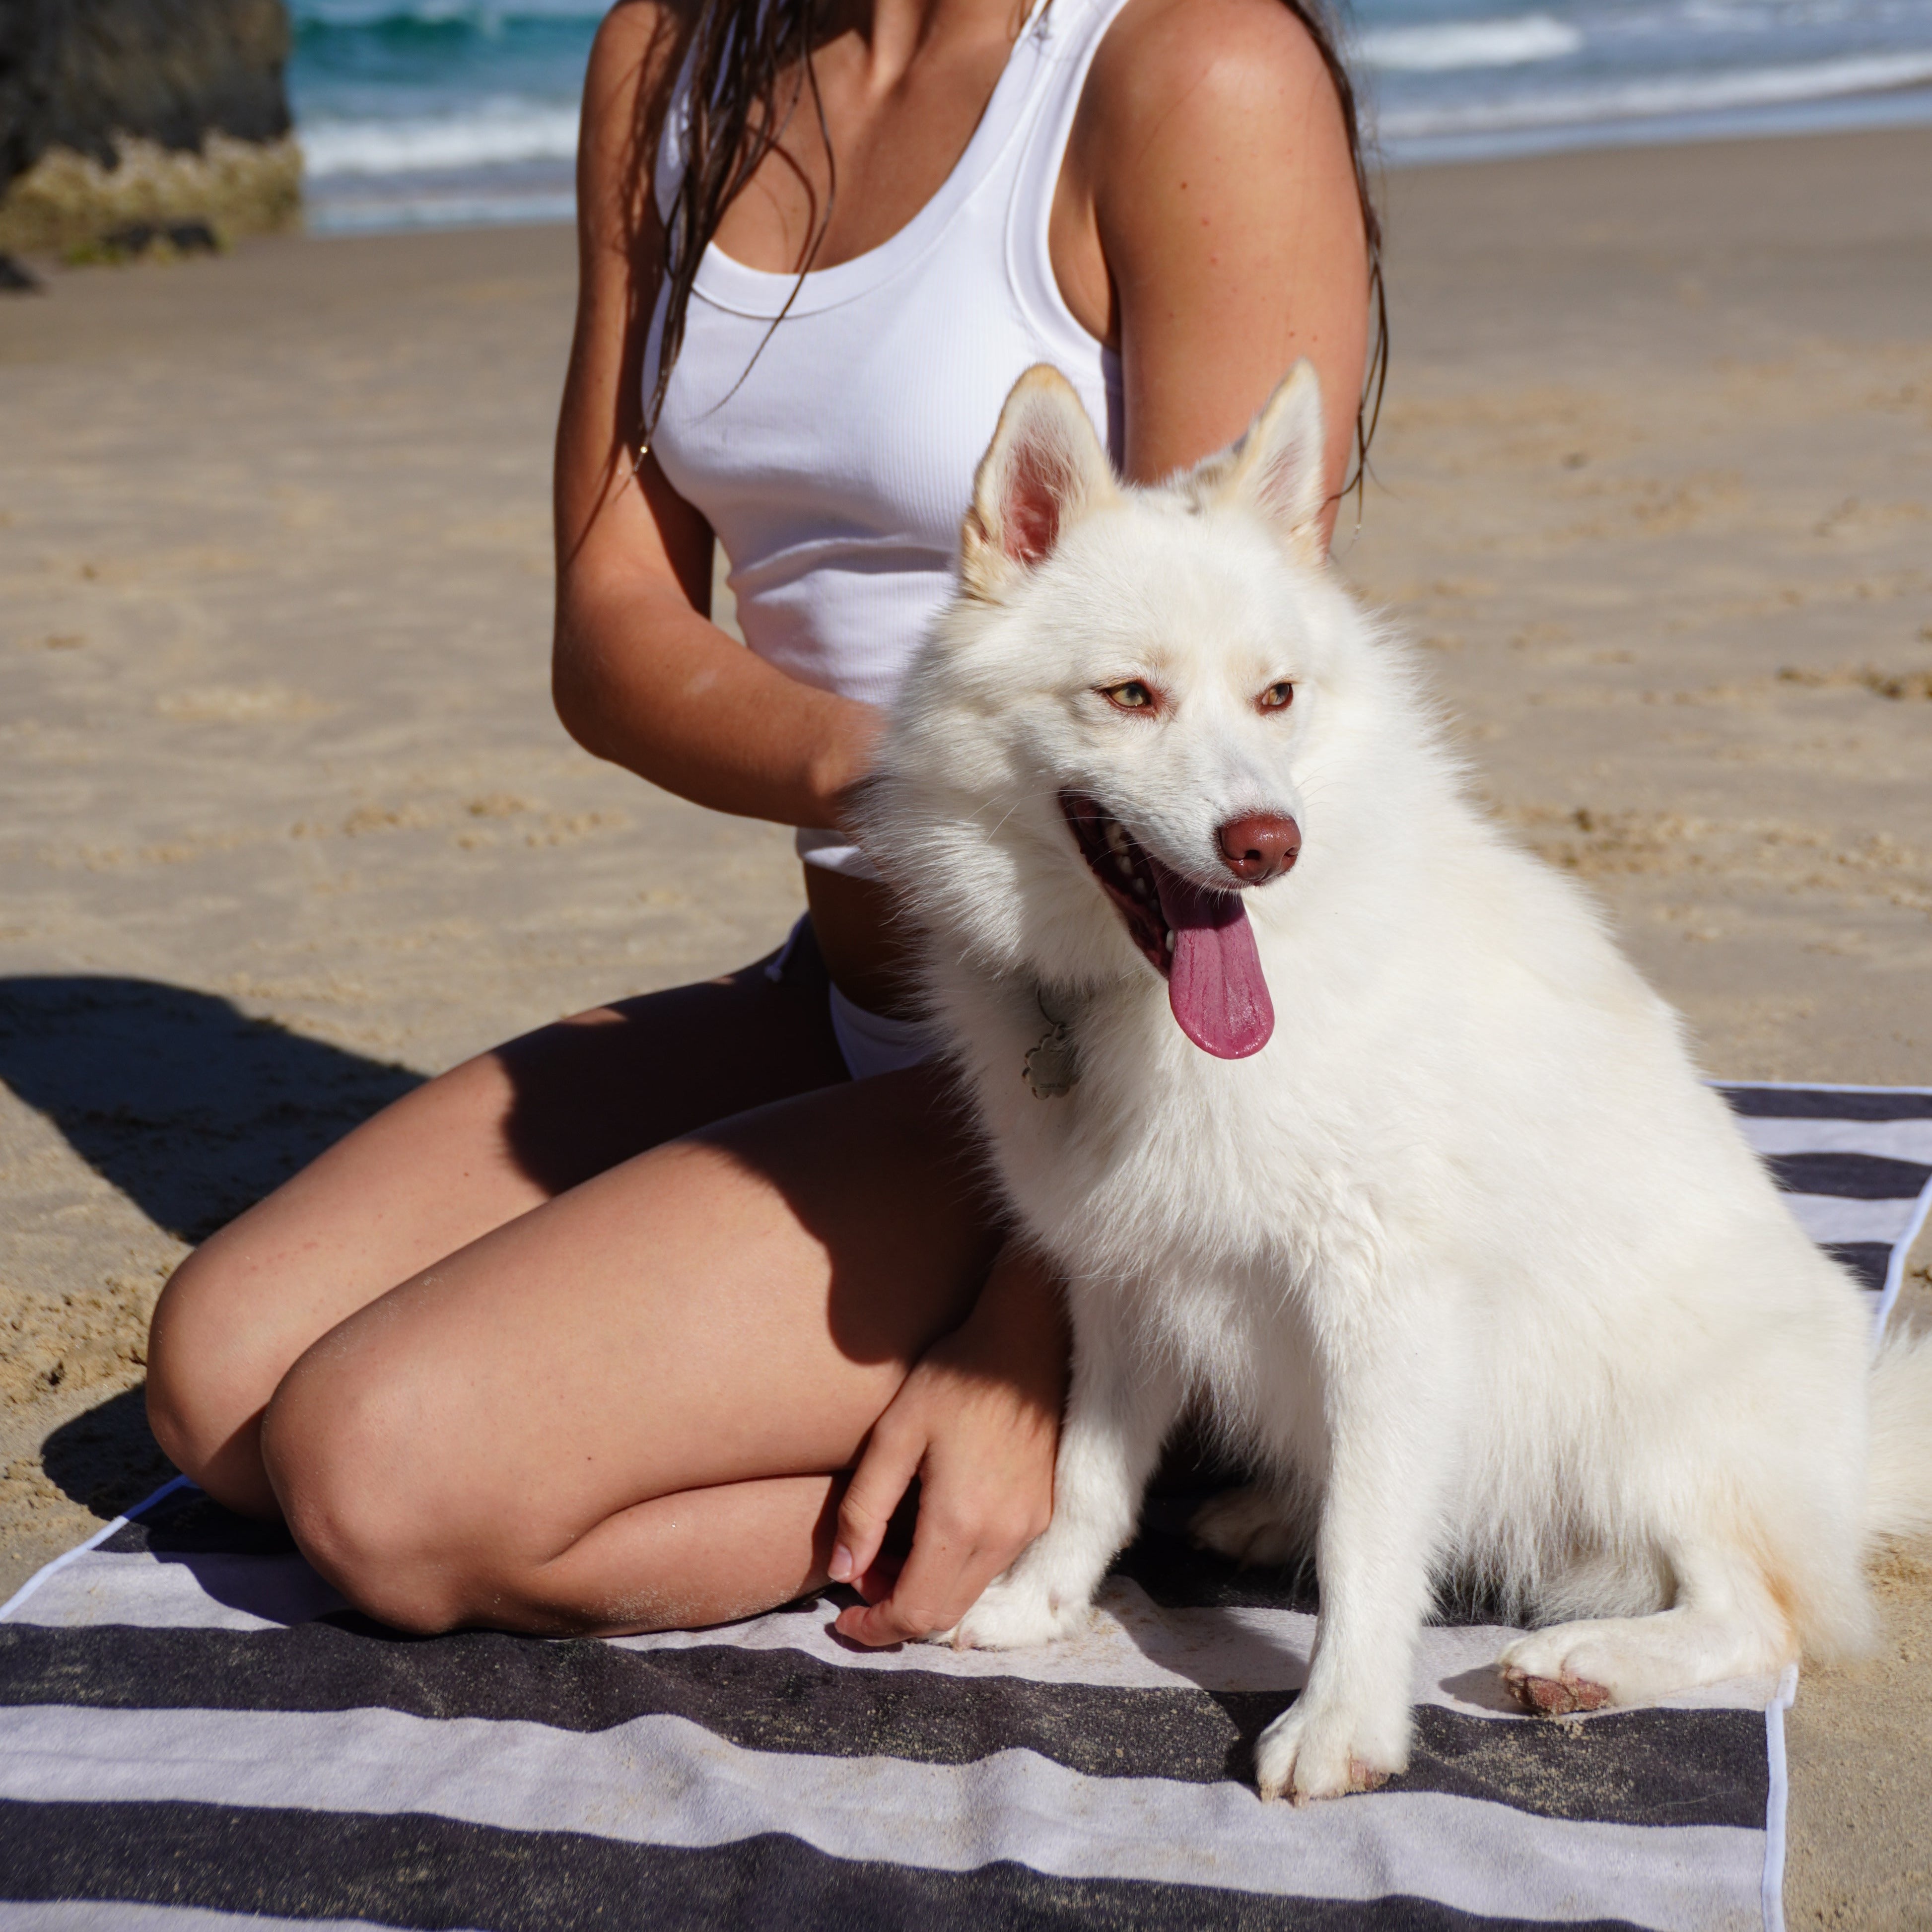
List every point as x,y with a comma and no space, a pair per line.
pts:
1051,1068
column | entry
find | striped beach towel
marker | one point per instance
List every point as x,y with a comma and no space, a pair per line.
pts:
195,1733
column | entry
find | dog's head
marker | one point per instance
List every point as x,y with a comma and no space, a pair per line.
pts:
1128,728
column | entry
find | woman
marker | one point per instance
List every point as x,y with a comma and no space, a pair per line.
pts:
586,1335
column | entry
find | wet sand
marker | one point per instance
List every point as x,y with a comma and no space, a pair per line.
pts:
289,822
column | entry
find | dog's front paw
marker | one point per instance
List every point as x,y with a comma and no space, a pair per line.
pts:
1248,1524
1314,1751
1571,1667
1013,1614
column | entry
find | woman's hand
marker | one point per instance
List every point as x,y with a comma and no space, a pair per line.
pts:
978,1422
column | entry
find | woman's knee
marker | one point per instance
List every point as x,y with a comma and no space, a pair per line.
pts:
346,1457
209,1374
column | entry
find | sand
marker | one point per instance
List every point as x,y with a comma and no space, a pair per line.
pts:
289,822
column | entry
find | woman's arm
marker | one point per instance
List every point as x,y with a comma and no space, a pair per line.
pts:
1207,224
641,675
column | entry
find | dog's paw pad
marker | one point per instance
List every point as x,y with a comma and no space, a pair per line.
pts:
1558,1697
1302,1759
1361,1777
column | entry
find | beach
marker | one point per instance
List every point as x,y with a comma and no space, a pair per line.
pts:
289,823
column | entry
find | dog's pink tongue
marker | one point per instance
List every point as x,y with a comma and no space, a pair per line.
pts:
1214,984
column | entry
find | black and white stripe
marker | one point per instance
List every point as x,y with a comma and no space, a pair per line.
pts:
196,1733
1857,1161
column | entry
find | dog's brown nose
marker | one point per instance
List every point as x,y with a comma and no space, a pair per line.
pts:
1260,846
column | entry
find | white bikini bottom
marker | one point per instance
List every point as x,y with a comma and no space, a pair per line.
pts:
869,1042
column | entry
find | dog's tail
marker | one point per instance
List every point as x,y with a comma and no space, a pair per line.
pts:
1898,1507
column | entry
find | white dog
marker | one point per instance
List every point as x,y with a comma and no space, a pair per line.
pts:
1342,1118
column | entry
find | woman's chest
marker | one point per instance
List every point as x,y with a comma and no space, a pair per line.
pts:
858,423
855,161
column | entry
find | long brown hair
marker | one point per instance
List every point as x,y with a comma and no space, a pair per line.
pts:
734,59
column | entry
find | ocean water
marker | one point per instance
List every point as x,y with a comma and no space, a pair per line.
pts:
435,113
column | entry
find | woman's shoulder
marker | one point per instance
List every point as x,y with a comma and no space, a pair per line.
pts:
634,61
1208,122
642,35
634,58
1200,67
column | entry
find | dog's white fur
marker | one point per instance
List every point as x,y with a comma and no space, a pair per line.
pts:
1467,1256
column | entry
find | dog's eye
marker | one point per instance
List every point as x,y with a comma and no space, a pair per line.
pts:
1132,696
1277,697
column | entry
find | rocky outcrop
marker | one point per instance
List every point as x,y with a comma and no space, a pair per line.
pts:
113,111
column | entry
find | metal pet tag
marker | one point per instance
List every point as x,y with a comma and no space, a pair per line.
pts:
1051,1068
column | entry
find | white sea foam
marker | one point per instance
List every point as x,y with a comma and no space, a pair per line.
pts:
486,16
1515,41
480,124
482,134
1660,95
382,213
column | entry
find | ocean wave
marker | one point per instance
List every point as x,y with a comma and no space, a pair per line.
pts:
435,96
375,214
487,133
483,16
1443,48
1660,96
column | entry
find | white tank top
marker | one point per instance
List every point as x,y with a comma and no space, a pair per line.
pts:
832,451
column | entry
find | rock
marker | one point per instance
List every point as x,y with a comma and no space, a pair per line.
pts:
165,240
76,73
120,112
21,35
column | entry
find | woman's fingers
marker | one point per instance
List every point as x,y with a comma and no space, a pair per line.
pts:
940,1581
875,1585
884,1473
944,1577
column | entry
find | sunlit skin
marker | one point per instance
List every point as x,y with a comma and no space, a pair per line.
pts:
649,1318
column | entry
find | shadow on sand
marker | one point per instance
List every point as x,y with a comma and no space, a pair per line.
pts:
105,1458
191,1107
193,1111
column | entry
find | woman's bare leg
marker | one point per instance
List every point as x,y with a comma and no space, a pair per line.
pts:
626,1409
463,1154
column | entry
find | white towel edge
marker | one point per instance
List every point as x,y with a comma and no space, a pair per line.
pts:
1775,1799
1901,1253
99,1537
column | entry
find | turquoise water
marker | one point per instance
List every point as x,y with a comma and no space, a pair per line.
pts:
438,111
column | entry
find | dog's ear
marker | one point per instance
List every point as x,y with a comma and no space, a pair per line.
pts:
1044,469
1278,468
